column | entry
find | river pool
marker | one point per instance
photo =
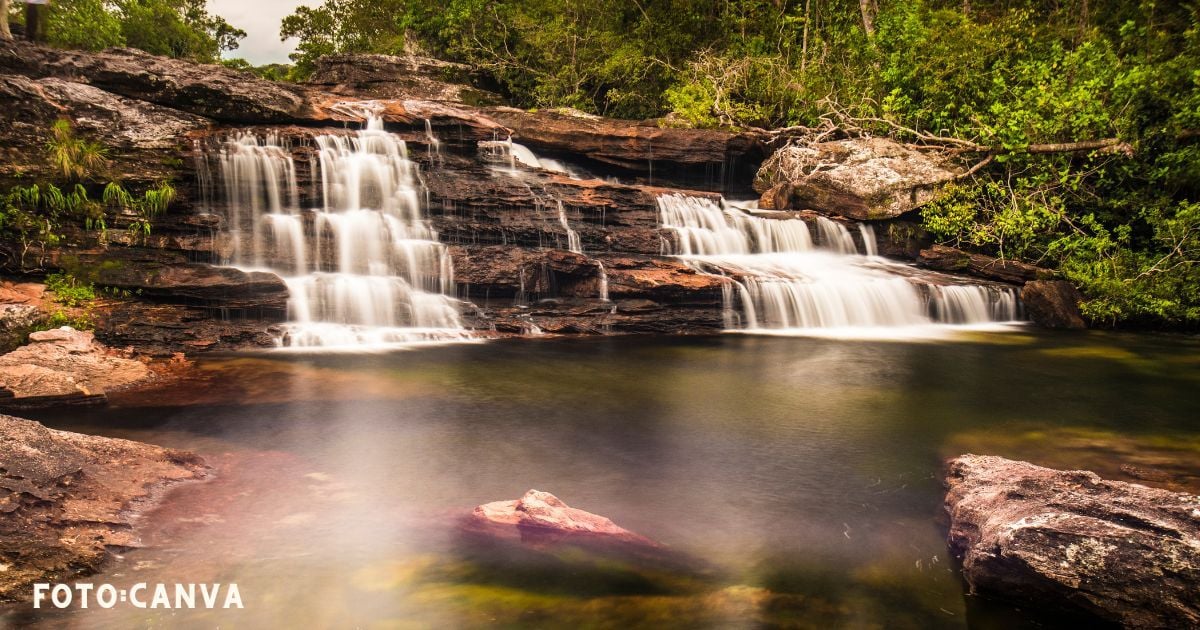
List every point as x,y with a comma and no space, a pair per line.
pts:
800,475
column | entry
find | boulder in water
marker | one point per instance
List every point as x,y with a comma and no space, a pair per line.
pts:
1053,304
1073,542
68,500
858,178
541,514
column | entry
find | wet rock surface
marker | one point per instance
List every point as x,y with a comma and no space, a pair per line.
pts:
540,513
858,178
703,159
1070,541
68,501
64,366
1053,304
145,136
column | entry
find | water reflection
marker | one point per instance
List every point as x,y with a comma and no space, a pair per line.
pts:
801,472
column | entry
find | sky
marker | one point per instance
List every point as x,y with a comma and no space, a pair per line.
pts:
260,19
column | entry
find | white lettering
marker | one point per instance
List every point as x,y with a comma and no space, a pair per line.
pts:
84,589
185,595
160,597
210,599
106,596
39,593
133,595
66,595
233,597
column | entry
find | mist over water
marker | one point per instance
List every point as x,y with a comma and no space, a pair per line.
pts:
804,473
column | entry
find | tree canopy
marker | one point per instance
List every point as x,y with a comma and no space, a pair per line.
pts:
173,28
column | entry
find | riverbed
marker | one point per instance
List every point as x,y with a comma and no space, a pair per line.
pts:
799,476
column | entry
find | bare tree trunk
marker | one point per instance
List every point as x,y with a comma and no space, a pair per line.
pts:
869,8
803,41
4,32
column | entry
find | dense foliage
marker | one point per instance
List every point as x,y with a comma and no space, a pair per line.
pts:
173,28
1123,223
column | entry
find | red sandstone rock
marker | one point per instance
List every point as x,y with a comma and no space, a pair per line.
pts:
65,366
539,510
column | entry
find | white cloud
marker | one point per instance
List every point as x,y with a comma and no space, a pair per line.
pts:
260,19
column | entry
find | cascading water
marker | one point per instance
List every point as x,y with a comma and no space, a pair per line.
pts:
781,280
516,153
573,242
363,270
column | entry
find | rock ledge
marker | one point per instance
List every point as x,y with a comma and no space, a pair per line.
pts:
1074,543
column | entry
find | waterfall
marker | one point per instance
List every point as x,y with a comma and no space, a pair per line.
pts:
365,268
573,242
870,244
782,279
603,281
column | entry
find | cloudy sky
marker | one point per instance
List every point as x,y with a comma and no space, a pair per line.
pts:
260,19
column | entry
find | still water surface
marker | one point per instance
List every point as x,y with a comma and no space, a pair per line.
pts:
800,475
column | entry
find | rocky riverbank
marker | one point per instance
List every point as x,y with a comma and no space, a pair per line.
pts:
1071,542
69,501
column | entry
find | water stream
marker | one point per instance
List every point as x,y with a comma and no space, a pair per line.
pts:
783,280
364,269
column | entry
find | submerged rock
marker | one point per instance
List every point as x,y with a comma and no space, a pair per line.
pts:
858,178
541,514
1053,304
1072,542
68,500
64,366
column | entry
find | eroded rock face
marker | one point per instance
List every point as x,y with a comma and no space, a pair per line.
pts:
211,91
64,366
408,77
858,178
1070,541
225,287
68,500
1053,304
142,137
218,93
541,513
704,159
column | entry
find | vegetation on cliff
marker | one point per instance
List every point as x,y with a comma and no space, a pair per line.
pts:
1079,120
35,215
1013,87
